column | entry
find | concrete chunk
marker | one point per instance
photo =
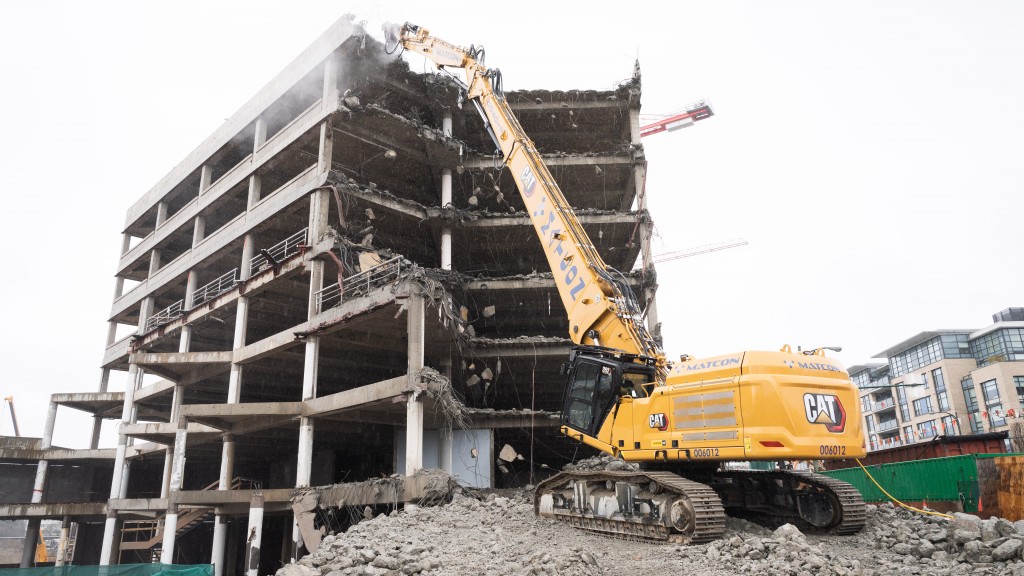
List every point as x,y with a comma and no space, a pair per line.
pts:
508,453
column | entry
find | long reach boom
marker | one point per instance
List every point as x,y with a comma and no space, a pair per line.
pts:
602,308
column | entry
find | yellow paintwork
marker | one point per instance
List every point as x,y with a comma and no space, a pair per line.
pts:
721,408
726,407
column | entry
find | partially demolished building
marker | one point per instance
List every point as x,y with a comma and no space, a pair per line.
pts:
338,284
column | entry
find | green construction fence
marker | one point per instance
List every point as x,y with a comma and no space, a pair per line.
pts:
119,570
949,479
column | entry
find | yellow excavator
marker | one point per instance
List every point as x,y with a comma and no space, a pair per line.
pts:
681,421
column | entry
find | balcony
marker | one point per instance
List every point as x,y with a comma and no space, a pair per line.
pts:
887,425
883,404
884,443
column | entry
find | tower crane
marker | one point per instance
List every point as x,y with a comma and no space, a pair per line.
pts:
684,118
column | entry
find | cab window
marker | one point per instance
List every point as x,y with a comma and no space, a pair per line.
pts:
579,408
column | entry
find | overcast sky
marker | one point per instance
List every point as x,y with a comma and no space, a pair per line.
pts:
870,152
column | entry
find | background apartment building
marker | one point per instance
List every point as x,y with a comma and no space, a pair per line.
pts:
947,382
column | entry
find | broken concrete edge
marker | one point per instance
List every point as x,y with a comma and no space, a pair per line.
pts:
369,192
427,487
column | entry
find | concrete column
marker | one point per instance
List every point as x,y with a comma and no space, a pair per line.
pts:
205,178
255,185
161,213
309,378
126,243
446,199
639,178
185,340
319,210
199,232
165,486
445,434
319,204
97,422
62,545
220,532
177,476
259,134
154,261
39,489
634,126
414,409
118,477
446,230
227,459
28,551
118,287
254,538
323,163
248,249
227,463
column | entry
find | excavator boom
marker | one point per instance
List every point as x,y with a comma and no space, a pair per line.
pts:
623,397
602,308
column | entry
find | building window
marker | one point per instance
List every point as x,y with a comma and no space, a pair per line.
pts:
993,404
971,400
861,379
976,427
870,420
908,434
940,389
1005,344
926,429
923,406
1018,382
901,395
949,427
930,352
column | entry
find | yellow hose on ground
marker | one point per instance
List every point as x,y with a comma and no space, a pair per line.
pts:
901,504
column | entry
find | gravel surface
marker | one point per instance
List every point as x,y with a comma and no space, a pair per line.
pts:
492,533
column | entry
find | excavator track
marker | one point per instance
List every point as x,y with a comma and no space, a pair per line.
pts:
812,502
659,507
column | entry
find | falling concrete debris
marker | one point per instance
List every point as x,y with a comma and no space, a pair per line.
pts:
509,454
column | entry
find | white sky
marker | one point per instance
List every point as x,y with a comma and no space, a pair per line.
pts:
868,151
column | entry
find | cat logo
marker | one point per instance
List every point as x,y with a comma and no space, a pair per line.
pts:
825,409
658,421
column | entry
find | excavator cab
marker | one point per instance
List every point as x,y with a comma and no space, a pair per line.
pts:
595,385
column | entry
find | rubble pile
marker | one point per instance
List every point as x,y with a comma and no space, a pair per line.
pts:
492,533
935,545
601,462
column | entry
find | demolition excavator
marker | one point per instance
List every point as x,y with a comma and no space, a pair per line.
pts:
681,421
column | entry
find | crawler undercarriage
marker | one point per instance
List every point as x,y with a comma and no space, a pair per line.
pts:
663,506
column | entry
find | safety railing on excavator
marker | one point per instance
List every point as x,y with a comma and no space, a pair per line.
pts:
278,252
358,284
